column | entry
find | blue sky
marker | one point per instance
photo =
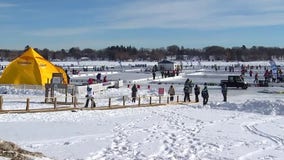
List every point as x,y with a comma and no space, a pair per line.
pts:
97,24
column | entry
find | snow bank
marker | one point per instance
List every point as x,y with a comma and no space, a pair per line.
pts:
264,107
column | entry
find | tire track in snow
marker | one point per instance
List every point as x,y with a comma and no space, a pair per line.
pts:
254,130
251,127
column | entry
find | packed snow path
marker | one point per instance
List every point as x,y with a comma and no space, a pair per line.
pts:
172,132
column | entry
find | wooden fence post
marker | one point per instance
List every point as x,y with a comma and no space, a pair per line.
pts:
139,101
160,99
168,100
66,93
55,102
28,104
177,98
109,102
93,103
150,100
123,99
74,101
73,95
46,93
52,93
1,103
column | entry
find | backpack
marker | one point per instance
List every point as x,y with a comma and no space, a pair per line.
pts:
204,93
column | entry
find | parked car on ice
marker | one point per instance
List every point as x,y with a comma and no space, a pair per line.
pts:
235,81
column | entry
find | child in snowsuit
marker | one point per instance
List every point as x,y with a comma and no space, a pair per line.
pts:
89,97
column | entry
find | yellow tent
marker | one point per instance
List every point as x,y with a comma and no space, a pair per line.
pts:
30,68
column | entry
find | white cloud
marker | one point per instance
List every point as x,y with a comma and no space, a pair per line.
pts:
196,14
187,14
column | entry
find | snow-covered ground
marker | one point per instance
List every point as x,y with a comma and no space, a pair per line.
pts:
249,126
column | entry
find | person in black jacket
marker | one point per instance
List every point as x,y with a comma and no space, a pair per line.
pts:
134,93
224,90
196,92
187,90
205,94
154,74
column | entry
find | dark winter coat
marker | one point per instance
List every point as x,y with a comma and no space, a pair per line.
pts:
196,90
134,91
204,93
224,89
187,87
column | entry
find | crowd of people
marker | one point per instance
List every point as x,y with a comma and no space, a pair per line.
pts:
187,89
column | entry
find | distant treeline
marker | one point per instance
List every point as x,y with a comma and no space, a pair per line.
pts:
126,53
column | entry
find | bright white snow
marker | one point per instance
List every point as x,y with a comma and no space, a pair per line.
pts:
249,126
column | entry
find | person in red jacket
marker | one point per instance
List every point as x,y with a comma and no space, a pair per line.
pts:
105,79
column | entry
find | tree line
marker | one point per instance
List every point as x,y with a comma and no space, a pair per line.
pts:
126,53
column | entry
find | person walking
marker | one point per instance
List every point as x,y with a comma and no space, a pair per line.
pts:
89,97
187,90
99,75
105,79
205,94
90,81
196,92
256,78
162,73
134,93
224,90
171,92
154,74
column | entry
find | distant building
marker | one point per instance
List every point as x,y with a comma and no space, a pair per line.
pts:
85,59
166,65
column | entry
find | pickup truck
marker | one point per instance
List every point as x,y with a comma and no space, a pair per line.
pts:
235,81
